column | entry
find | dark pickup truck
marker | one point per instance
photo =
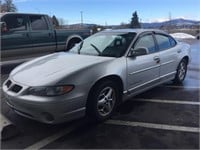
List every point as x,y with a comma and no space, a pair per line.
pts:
25,36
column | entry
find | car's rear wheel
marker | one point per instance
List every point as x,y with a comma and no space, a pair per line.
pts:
181,72
103,100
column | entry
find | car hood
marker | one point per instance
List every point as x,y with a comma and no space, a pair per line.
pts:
51,68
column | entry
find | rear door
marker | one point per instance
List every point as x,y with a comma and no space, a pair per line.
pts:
168,56
15,41
143,71
41,34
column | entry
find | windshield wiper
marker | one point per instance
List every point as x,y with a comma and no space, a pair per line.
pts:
96,48
81,45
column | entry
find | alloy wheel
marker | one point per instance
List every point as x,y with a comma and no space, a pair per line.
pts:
182,70
106,101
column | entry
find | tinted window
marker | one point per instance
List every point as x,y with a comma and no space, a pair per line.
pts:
15,22
146,41
172,41
38,23
163,42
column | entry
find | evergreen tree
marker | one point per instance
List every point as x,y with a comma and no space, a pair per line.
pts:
135,21
7,6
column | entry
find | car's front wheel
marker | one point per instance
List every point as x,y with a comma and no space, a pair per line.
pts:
181,72
103,100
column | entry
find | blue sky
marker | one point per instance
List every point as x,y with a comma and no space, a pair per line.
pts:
112,12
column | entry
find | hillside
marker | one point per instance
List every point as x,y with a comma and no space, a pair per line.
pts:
178,23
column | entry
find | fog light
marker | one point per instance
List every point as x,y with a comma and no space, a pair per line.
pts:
47,117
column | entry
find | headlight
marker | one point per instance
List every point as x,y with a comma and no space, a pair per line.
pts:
50,91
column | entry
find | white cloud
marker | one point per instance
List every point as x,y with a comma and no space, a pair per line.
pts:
161,20
157,20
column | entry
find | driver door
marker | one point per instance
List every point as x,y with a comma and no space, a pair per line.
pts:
143,71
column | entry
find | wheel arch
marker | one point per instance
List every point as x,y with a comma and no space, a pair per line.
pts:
72,39
185,58
114,78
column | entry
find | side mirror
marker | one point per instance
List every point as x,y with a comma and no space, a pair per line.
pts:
4,27
138,52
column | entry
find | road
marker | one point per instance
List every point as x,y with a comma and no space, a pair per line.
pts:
164,117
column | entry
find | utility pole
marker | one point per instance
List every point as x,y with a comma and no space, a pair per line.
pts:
141,22
106,24
170,23
81,18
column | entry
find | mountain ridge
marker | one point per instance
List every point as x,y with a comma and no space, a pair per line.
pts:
174,22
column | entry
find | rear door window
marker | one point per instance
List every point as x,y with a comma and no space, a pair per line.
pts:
38,23
164,41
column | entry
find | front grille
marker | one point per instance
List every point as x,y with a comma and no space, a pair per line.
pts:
13,87
16,88
8,83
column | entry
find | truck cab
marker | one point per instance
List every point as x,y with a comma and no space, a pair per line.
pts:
25,36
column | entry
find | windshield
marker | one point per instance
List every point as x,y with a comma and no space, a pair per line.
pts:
105,44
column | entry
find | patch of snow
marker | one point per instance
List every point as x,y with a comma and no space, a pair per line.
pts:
182,36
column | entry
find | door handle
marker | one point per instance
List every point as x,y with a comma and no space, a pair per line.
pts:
157,59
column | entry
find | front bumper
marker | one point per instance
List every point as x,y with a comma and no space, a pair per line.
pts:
49,110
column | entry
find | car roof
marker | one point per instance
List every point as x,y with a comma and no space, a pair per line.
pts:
138,31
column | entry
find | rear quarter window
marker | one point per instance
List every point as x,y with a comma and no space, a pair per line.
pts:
172,41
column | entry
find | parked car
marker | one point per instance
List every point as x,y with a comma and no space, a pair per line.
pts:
31,35
96,75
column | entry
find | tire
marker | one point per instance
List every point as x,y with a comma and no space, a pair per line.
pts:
72,43
181,72
102,101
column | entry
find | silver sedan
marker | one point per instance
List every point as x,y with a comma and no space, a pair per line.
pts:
96,75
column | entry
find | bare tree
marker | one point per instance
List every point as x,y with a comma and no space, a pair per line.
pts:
0,6
61,21
124,25
55,21
7,6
